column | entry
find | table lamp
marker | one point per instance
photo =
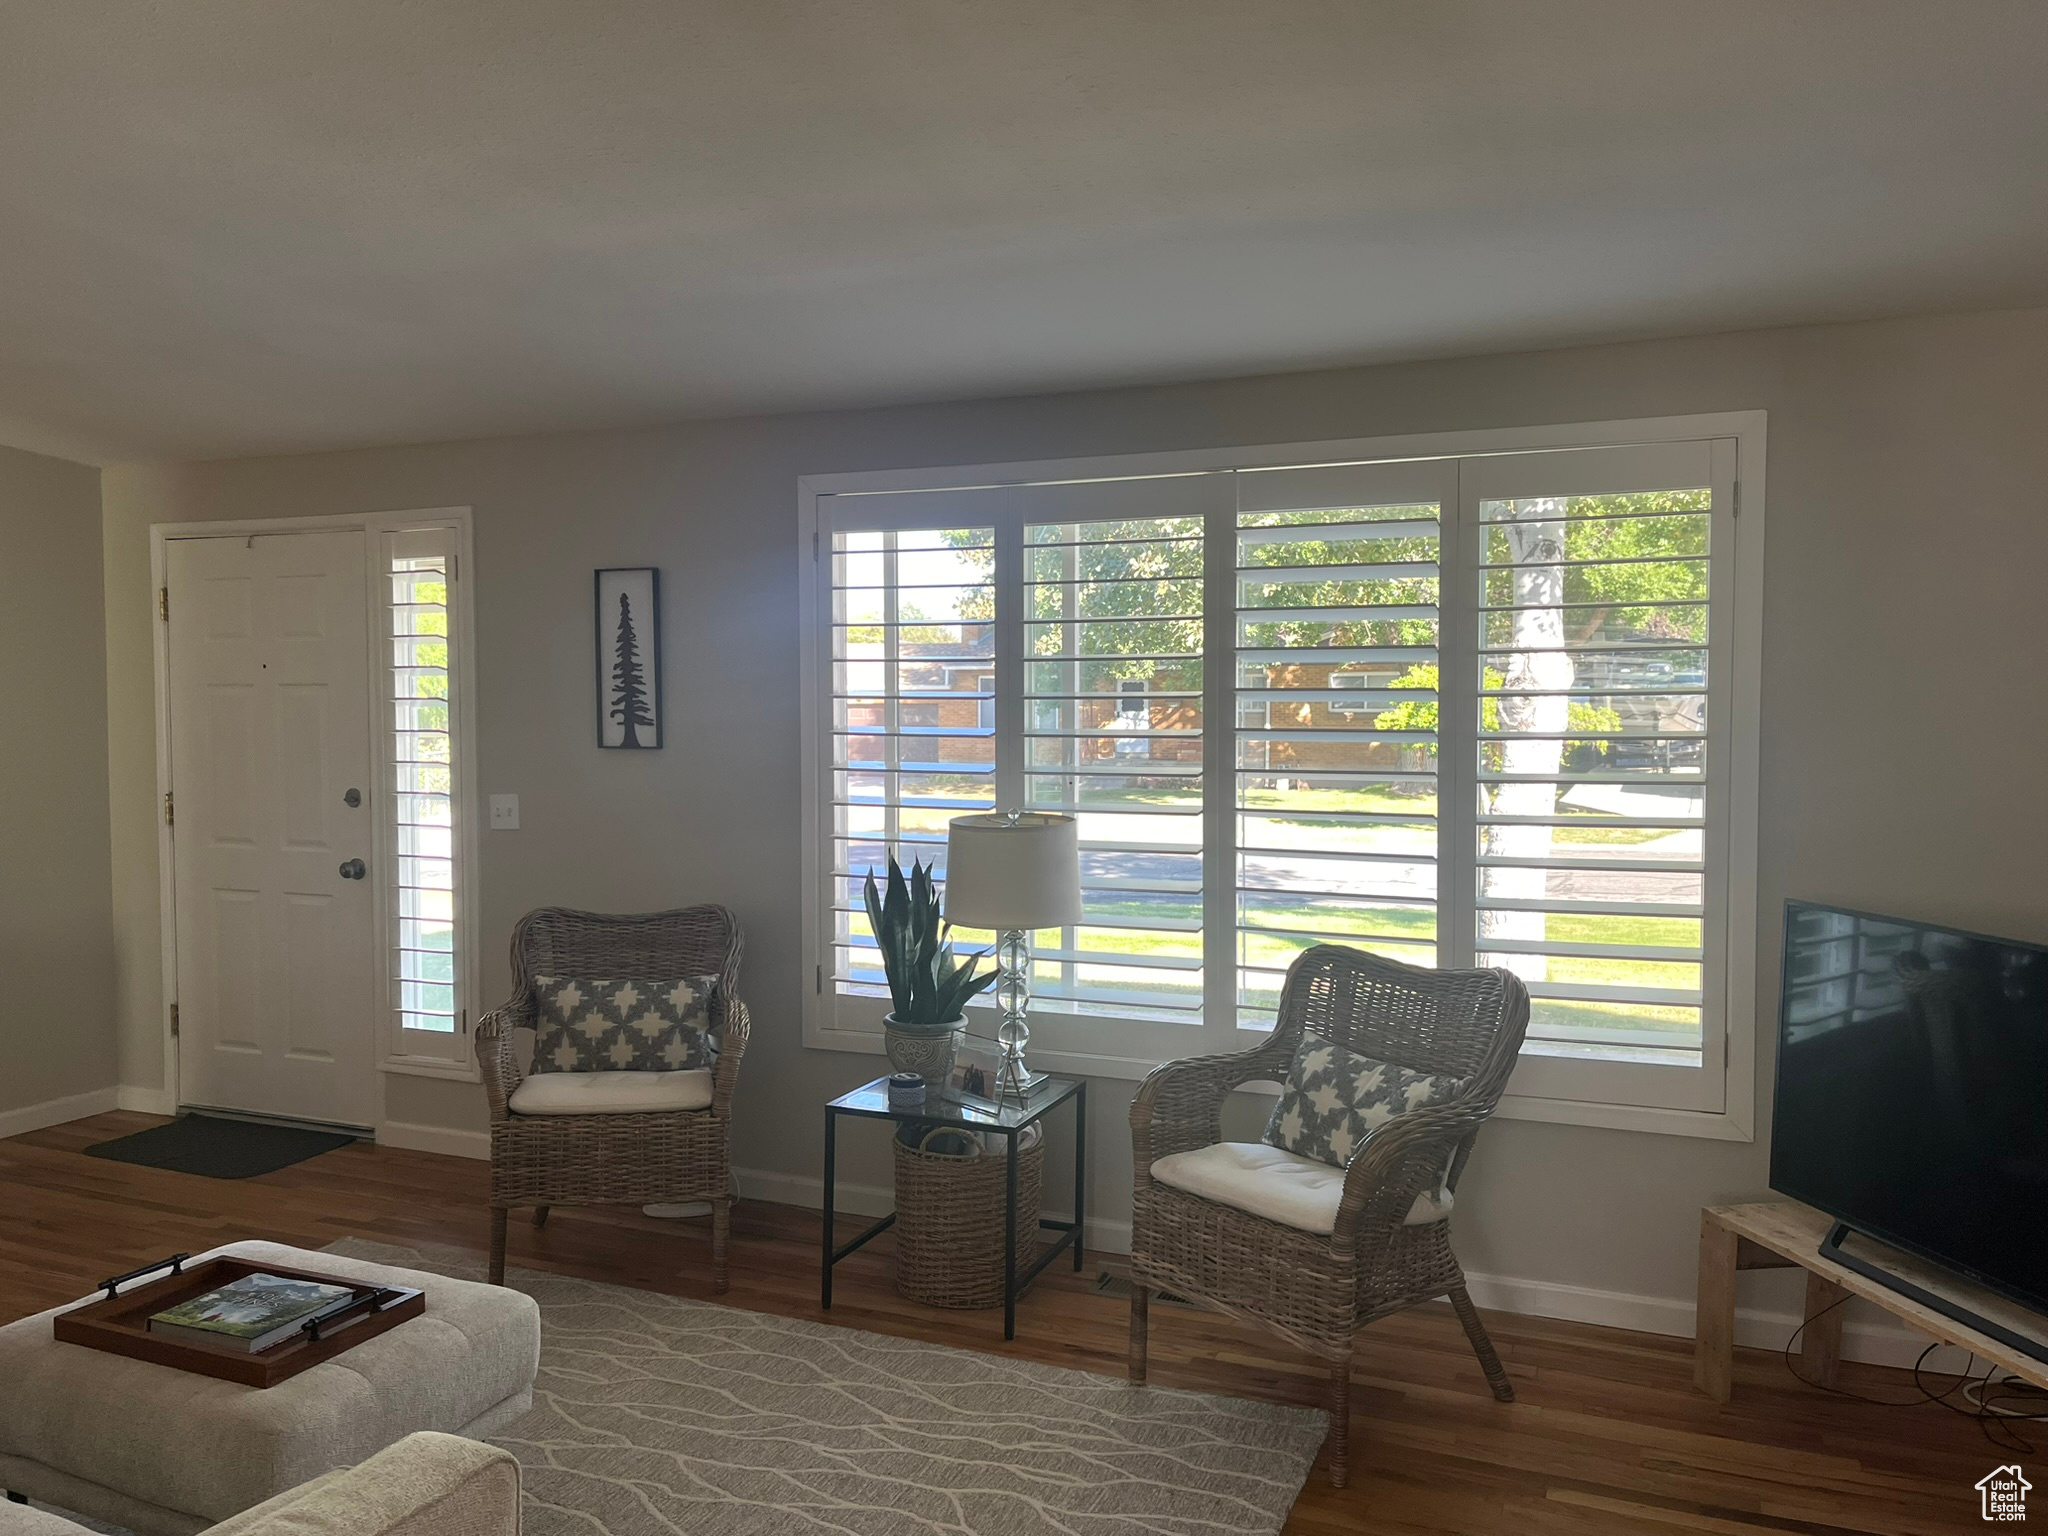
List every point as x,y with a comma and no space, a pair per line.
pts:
1013,872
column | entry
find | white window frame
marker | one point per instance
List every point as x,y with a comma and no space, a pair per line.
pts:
1114,1047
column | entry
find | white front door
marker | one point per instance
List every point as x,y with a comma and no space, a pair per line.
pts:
271,779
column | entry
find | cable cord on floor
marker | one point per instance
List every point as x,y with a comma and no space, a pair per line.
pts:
2014,1389
1986,1395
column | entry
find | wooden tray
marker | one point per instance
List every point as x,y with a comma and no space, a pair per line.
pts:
119,1323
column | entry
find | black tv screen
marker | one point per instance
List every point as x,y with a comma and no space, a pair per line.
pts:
1913,1090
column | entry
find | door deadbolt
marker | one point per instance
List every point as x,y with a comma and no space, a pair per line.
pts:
352,798
354,869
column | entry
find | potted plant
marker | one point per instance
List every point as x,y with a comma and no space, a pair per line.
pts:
928,987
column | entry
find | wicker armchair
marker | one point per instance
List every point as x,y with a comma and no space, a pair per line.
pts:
1313,1289
614,1159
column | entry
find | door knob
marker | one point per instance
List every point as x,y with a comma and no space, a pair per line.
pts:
354,869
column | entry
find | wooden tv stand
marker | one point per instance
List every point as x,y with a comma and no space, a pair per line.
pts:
1785,1235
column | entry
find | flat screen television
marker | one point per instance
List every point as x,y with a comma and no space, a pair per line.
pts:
1912,1097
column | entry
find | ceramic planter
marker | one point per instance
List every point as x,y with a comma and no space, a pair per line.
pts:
930,1053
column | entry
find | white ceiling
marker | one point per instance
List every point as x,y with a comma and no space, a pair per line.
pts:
242,226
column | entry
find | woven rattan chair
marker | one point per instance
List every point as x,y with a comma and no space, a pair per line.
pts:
615,1159
1318,1290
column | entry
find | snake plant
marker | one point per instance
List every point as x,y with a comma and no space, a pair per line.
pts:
929,988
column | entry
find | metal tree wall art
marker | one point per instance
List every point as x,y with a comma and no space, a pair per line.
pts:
629,657
629,686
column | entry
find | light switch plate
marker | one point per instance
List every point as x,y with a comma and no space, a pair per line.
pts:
504,813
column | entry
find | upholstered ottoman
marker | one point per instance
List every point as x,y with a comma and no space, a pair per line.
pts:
168,1453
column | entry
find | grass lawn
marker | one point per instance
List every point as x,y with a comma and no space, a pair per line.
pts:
1409,933
1374,799
1607,837
1308,808
1405,933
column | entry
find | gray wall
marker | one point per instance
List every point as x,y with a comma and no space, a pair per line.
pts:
1903,740
56,917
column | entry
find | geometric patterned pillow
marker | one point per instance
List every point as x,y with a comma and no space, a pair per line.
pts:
1334,1098
623,1026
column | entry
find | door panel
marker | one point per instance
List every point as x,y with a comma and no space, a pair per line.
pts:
270,727
302,776
237,946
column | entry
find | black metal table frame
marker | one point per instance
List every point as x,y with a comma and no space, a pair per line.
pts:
1014,1284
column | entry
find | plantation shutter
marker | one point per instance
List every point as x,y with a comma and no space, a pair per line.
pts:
912,685
1113,715
1338,642
423,879
1600,691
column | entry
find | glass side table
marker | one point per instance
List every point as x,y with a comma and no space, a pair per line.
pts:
870,1101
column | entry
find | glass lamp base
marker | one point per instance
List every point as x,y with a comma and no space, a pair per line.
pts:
1013,1000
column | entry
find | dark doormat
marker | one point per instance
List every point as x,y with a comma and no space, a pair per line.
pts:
218,1148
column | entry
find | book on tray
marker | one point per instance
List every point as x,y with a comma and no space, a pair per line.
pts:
252,1313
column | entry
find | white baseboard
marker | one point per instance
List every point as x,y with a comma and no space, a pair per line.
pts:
1581,1304
435,1138
1877,1342
147,1101
36,1117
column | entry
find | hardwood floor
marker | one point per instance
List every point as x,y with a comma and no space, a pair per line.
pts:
1608,1435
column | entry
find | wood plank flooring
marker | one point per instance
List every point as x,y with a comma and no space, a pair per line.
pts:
1607,1437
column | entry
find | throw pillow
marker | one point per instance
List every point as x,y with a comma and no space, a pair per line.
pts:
1334,1098
629,1025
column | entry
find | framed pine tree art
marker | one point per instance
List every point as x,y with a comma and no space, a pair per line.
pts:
628,609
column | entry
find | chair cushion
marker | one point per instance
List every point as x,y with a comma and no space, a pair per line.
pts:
622,1025
1334,1098
1281,1186
610,1093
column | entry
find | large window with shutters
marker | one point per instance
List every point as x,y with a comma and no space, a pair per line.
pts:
1465,701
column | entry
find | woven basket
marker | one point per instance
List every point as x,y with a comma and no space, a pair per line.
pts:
949,1222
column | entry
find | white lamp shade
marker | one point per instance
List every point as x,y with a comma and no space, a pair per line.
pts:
1013,872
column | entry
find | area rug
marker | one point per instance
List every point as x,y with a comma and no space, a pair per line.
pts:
655,1415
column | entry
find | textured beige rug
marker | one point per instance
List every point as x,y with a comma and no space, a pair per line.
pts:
654,1414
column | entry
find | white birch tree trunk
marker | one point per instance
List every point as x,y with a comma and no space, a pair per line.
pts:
1535,538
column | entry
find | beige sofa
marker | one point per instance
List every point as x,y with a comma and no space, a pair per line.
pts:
428,1484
